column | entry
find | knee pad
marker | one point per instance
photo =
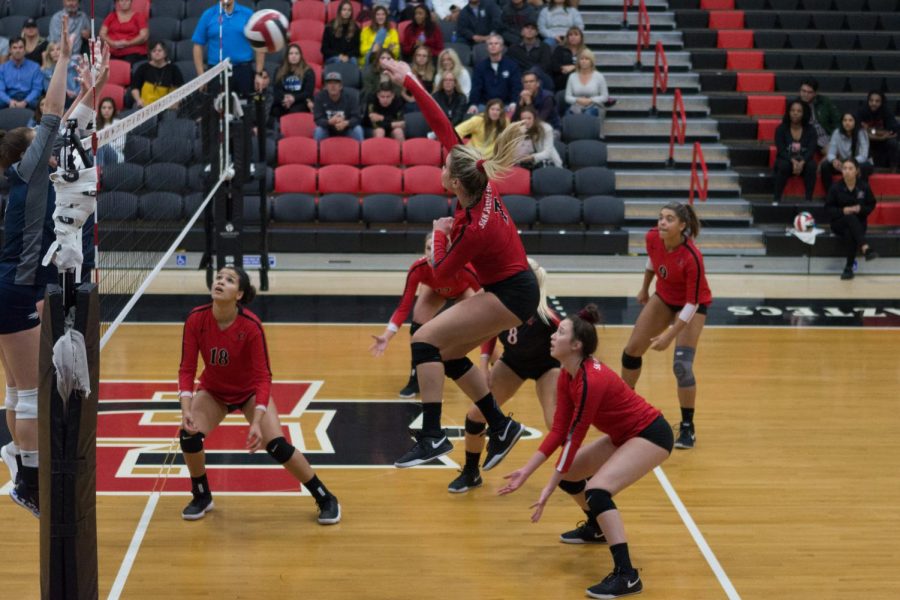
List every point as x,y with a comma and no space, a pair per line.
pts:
12,398
413,328
474,427
457,367
573,487
599,501
27,404
683,366
190,443
280,450
631,362
424,353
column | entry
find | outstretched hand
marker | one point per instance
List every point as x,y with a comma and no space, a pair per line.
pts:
379,345
514,481
396,69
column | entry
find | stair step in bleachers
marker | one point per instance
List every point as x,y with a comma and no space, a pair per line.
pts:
687,82
609,20
716,241
718,211
694,105
673,182
624,59
642,129
628,39
616,5
637,155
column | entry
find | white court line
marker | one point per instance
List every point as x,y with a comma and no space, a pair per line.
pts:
698,537
133,548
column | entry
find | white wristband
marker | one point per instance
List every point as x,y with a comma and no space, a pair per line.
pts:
260,407
392,328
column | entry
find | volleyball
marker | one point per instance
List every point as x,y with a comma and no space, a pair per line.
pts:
804,222
267,30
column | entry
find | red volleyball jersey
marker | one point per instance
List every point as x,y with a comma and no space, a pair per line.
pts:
595,395
447,287
235,361
484,233
680,274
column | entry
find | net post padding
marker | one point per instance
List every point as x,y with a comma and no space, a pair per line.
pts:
67,433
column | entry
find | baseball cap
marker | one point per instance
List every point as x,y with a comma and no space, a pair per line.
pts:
333,76
29,22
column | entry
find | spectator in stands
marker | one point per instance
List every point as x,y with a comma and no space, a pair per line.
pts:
531,54
848,205
795,141
586,90
451,99
384,115
21,81
403,10
156,78
448,62
422,31
514,16
496,76
483,129
477,21
537,148
542,101
113,152
848,141
882,129
48,63
34,43
374,76
4,49
336,111
422,66
824,114
340,40
379,35
126,32
564,59
556,18
446,10
248,67
295,84
79,25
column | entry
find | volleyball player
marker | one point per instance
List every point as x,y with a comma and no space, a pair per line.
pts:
236,378
433,295
481,232
636,440
526,355
676,312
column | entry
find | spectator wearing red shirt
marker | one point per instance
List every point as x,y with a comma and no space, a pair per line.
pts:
681,300
126,32
636,440
236,377
422,31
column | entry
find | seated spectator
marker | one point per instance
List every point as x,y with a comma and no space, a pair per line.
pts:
48,63
156,78
35,120
824,114
848,206
497,76
448,62
422,31
379,35
340,40
4,49
374,75
483,129
450,98
384,116
542,101
403,10
34,43
586,91
113,152
126,32
79,25
446,10
336,110
477,21
882,128
556,18
295,84
21,81
848,141
422,67
514,16
531,54
564,59
537,149
795,140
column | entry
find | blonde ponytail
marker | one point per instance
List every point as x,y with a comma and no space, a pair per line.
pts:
474,171
543,310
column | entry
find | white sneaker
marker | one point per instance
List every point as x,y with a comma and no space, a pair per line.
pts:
10,459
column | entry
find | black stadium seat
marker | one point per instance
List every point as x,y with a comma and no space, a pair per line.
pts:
172,149
860,84
339,208
282,6
559,210
294,208
817,5
770,40
165,177
874,41
595,180
862,22
781,61
124,177
852,61
551,181
839,40
164,28
160,206
794,20
819,61
580,127
805,40
10,118
137,149
852,5
760,20
522,209
168,8
828,21
195,8
587,153
382,208
117,206
604,211
25,8
425,208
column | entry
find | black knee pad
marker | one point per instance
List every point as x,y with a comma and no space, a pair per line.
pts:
457,367
631,362
474,427
573,487
413,328
599,501
280,450
424,353
190,443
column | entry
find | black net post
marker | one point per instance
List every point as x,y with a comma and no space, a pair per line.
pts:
260,103
210,143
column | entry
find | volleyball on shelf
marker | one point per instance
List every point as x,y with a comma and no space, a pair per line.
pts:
267,30
804,222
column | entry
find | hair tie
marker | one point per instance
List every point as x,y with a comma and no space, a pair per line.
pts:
479,165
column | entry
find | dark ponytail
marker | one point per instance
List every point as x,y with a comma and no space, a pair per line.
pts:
13,144
687,215
584,328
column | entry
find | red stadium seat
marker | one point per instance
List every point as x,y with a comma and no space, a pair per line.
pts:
737,59
338,179
756,82
717,4
765,129
380,151
116,92
332,8
421,151
795,189
308,9
295,178
885,213
142,6
312,51
422,179
765,105
297,124
381,179
732,19
119,72
339,150
306,30
317,69
298,151
517,182
735,38
885,185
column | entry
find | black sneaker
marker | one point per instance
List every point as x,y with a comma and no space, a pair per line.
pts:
426,448
616,584
329,511
847,274
411,388
686,436
499,444
870,255
199,506
466,481
584,533
27,499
